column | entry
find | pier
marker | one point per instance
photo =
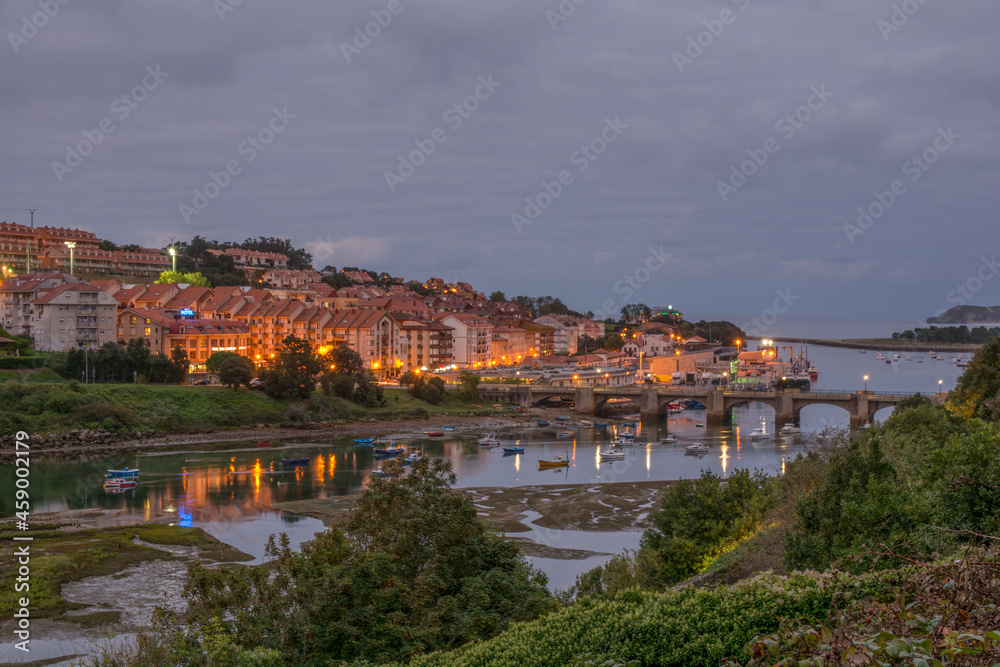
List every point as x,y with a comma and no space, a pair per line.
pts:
718,401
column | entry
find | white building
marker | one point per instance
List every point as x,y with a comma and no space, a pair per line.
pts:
472,339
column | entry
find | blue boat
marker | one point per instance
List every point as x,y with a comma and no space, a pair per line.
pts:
543,423
389,451
364,441
598,426
447,428
378,472
295,462
513,450
126,473
561,418
628,424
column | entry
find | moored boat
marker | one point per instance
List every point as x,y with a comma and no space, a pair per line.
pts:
669,439
790,428
759,433
542,422
265,444
696,449
414,456
433,434
490,440
364,441
389,451
612,455
623,442
295,462
513,450
125,472
554,462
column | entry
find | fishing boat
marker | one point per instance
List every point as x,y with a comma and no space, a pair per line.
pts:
364,441
295,462
623,442
124,473
414,456
627,435
563,434
378,472
513,450
433,434
669,439
490,440
696,449
790,428
554,462
759,433
542,422
612,455
120,483
265,444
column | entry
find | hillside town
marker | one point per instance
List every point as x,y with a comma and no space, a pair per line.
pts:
64,292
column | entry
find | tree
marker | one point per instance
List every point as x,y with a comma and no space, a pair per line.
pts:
294,370
235,371
412,570
180,364
344,374
195,279
470,385
498,296
214,362
978,391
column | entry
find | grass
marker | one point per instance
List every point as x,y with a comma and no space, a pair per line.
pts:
58,557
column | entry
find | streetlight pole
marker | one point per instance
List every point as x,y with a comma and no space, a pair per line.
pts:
940,383
866,384
71,245
173,258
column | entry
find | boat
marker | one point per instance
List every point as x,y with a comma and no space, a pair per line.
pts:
699,426
586,422
628,424
612,455
364,441
433,434
696,449
669,439
126,473
867,425
862,351
790,428
554,462
962,364
389,451
895,357
563,434
513,450
880,356
906,358
448,428
813,372
623,442
562,418
490,440
378,472
265,444
542,422
414,456
600,426
759,433
295,462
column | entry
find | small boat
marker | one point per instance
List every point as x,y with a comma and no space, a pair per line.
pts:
414,456
389,451
364,441
542,422
295,462
669,439
561,418
880,356
490,440
895,357
433,434
696,449
127,472
623,442
790,428
448,428
962,364
862,351
586,422
378,472
759,433
628,424
563,434
554,462
867,425
600,426
513,450
627,435
906,358
612,455
699,426
265,444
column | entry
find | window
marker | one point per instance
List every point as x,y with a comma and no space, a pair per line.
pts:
61,320
147,331
131,320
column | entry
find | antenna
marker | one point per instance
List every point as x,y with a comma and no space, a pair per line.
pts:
32,212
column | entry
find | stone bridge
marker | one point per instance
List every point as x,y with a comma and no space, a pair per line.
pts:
718,401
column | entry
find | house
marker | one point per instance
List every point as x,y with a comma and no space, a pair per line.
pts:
429,344
472,338
149,326
73,316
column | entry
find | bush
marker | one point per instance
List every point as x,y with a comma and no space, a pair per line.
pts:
21,362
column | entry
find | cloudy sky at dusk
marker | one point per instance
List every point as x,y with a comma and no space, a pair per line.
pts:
642,107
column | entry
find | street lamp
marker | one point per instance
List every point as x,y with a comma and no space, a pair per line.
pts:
70,245
866,384
940,382
173,258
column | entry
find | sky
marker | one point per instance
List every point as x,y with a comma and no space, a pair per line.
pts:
789,161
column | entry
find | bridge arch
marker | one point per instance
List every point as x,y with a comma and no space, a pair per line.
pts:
821,415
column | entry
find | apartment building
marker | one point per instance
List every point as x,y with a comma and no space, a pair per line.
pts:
472,339
149,326
73,316
568,330
428,344
203,338
253,259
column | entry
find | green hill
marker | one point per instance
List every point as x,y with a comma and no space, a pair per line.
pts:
968,315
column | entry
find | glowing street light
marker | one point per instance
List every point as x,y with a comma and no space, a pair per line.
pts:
173,257
70,245
940,383
866,384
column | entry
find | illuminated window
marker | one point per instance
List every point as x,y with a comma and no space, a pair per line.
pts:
148,330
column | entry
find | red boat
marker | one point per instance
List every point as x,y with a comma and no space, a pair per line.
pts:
434,434
265,444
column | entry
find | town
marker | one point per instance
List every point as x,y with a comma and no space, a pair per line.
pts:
66,290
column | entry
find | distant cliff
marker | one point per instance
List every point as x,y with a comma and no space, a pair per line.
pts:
968,315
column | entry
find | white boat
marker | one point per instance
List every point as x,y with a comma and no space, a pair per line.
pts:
696,449
880,356
623,442
906,358
862,351
962,364
612,455
895,357
790,428
669,439
759,433
414,456
490,440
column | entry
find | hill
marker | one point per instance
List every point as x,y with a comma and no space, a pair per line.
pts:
968,315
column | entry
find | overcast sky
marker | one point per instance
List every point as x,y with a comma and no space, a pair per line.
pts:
672,95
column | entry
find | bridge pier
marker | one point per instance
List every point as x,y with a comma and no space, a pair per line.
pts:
860,412
784,410
586,404
715,407
649,404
